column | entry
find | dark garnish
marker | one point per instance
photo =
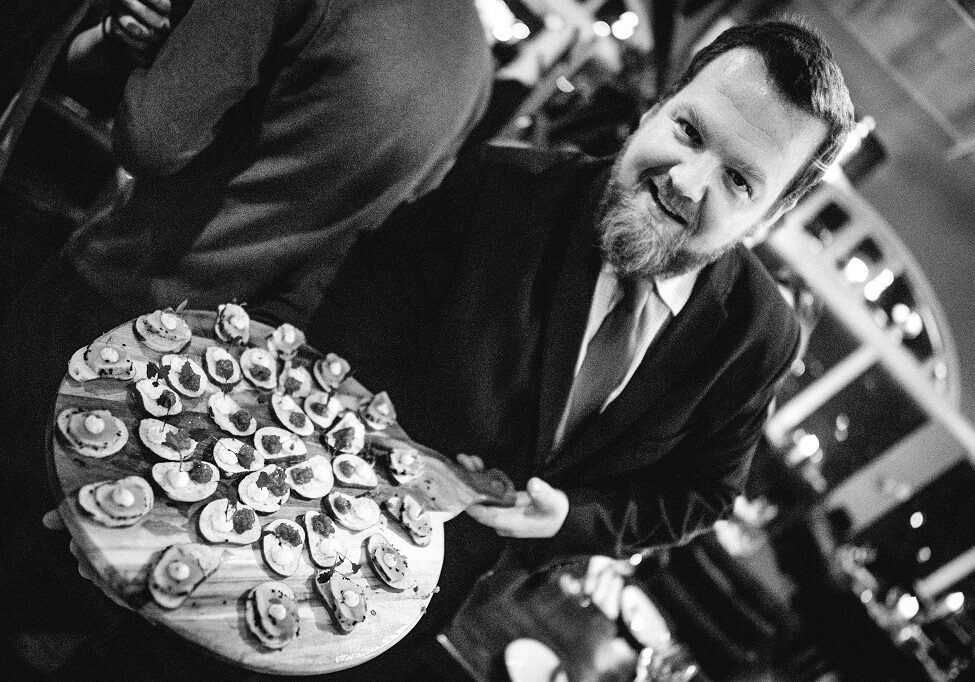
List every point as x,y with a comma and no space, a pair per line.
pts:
285,532
224,368
231,492
271,443
166,399
189,378
347,468
200,472
291,385
179,439
275,482
199,434
344,438
244,520
322,525
241,419
319,408
245,456
260,372
297,419
369,455
342,505
302,475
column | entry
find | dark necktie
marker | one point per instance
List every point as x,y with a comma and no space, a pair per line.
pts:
609,355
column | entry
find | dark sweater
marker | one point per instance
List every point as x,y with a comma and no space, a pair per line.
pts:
263,139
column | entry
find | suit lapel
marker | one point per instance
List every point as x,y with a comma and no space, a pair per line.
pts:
566,319
676,348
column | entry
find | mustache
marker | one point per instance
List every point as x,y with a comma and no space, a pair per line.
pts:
634,244
673,203
637,244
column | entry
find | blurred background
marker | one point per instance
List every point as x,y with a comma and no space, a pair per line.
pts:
852,555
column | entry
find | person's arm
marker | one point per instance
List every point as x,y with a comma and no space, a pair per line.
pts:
98,60
171,109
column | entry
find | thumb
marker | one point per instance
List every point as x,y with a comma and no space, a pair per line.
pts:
543,495
85,569
52,520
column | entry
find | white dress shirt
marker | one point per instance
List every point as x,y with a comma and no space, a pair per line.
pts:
668,298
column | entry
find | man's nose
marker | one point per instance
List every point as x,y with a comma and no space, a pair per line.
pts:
691,176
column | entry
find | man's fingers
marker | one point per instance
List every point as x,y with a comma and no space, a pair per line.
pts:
607,594
523,520
470,462
134,31
137,45
544,496
602,587
539,512
483,514
506,521
163,7
598,563
85,569
52,520
146,14
600,584
604,582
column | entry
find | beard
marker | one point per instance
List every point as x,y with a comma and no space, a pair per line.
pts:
635,242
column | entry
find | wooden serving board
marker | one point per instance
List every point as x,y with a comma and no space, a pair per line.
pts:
213,616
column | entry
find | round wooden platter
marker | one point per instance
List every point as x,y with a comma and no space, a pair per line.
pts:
213,616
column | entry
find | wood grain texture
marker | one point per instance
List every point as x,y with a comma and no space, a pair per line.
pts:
213,616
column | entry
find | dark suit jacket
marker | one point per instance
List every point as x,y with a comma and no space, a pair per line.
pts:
469,307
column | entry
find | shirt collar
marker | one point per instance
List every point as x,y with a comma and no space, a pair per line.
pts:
676,291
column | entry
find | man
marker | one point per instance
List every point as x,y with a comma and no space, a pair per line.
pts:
263,136
488,310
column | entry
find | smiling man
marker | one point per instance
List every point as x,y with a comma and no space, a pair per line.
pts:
706,167
594,327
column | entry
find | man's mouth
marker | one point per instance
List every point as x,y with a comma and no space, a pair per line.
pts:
651,186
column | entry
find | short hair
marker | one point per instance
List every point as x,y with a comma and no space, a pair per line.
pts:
803,69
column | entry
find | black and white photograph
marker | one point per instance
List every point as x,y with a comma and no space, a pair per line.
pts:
487,340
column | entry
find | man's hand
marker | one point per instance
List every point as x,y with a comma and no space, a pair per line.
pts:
538,512
604,582
140,25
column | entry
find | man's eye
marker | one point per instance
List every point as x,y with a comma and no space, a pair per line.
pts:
739,181
690,131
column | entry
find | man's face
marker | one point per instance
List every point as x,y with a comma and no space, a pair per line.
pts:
704,169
